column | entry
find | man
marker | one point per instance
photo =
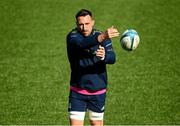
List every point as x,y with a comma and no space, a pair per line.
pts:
88,51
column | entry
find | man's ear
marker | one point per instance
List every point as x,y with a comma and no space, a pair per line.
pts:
93,22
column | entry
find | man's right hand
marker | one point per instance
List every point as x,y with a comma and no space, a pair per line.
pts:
108,34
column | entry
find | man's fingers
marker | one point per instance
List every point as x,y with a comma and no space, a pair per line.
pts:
101,47
100,54
112,32
101,51
113,35
108,34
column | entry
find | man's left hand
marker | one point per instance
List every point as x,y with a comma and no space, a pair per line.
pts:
100,52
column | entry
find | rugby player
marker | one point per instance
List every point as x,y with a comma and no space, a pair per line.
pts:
89,50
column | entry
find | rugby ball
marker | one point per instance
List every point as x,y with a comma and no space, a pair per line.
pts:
129,40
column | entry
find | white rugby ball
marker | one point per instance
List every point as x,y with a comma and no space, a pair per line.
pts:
129,40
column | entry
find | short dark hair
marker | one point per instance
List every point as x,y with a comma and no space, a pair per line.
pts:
83,12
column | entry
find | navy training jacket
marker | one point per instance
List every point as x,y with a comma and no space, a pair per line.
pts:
87,70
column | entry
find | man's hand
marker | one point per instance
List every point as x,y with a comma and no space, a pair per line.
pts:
100,52
108,34
111,33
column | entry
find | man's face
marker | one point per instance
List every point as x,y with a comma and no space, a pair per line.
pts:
85,24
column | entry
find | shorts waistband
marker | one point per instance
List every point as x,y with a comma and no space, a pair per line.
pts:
87,92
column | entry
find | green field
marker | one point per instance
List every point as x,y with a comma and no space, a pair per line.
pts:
144,85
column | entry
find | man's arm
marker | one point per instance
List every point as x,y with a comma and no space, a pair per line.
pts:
89,41
106,53
82,42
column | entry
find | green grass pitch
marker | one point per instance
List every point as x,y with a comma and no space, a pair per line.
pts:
144,85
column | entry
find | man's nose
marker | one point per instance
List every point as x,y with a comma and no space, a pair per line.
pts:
84,27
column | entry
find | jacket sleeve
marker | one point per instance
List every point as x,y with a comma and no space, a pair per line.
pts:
110,56
82,42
